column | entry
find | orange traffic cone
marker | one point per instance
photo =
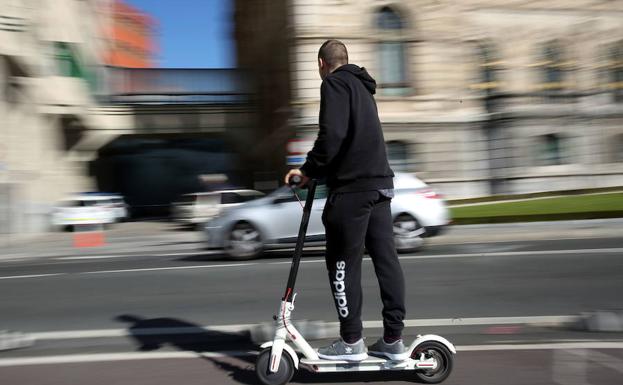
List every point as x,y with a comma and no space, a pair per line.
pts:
89,236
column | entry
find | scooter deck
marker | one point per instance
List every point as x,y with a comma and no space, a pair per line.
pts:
370,363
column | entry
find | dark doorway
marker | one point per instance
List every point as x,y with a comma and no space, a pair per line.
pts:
151,172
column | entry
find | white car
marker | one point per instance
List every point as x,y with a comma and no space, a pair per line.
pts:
198,208
113,201
272,222
83,210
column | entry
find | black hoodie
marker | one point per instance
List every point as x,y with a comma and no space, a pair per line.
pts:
349,150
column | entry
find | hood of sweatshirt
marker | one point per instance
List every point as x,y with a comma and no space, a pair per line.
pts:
361,73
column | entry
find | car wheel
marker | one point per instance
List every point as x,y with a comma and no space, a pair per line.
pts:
407,233
244,242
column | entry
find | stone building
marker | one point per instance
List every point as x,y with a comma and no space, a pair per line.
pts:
479,97
49,51
66,118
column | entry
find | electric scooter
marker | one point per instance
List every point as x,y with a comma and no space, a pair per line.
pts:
430,358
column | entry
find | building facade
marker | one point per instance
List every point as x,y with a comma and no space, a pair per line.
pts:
49,56
480,97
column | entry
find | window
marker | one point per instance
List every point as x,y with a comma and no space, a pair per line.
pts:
553,67
67,62
488,65
397,153
229,197
553,71
70,65
392,53
615,69
550,149
617,148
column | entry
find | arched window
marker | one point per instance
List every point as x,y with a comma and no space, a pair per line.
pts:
392,53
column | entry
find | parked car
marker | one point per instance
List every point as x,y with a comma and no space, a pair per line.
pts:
272,222
197,208
84,210
114,201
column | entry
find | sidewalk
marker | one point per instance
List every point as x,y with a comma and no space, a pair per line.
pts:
524,231
158,238
122,238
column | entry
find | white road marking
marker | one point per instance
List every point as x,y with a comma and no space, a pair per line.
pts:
484,254
104,357
167,268
177,254
108,333
209,252
439,242
236,328
615,250
32,276
90,257
529,320
542,346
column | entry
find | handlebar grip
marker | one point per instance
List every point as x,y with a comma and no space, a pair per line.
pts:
295,180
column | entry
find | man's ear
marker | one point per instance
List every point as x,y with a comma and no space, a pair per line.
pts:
321,63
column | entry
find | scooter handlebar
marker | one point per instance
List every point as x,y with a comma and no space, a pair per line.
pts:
295,180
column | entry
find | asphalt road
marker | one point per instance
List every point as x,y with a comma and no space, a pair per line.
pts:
477,280
109,298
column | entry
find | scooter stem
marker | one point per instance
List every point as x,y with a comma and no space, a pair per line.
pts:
298,251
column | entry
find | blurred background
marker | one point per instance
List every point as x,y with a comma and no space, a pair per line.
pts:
503,120
125,97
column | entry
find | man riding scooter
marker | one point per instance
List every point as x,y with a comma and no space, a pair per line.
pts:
350,153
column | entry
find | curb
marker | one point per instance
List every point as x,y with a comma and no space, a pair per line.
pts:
538,217
597,321
600,321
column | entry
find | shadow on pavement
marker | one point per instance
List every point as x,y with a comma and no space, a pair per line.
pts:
212,255
155,333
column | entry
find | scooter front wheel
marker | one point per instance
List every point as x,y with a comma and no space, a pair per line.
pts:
282,376
439,353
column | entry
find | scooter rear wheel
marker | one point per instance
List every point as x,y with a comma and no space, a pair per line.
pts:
441,354
282,376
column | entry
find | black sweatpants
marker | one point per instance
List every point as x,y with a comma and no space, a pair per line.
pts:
351,221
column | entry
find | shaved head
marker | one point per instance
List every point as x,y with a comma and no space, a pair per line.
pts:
333,53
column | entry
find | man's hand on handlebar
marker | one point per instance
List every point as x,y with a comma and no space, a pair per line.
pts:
295,177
